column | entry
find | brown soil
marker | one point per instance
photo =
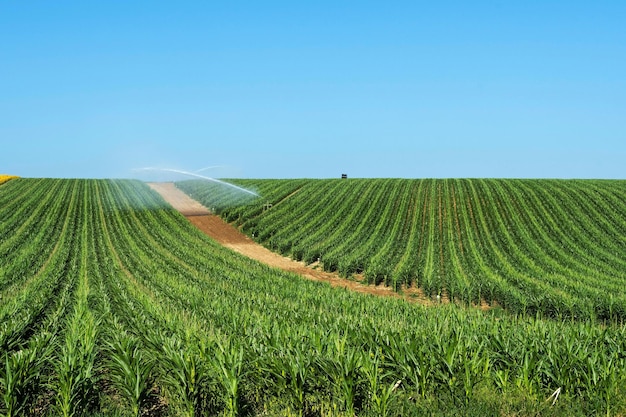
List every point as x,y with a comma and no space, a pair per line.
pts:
229,236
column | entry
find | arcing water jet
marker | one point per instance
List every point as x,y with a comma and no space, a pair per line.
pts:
180,171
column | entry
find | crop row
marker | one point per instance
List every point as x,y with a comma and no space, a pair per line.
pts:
133,311
549,246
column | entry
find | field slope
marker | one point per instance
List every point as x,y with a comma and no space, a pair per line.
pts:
549,246
112,303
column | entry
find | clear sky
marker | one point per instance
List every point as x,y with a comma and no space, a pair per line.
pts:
294,89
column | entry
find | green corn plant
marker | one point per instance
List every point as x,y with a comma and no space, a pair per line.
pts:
449,355
414,363
227,362
75,383
502,359
184,373
290,367
130,371
526,372
22,375
381,394
475,368
343,368
600,376
462,362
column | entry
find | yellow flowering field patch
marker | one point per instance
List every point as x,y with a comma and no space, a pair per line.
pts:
5,178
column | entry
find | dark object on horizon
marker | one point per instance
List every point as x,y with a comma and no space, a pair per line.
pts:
344,176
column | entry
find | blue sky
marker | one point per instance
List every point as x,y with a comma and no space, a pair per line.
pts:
288,90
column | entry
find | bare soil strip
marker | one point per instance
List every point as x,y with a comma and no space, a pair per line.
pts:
230,237
186,205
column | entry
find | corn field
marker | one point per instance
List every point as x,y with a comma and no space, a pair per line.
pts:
554,247
113,304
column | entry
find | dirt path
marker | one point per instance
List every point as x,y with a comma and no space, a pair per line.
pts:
178,199
232,238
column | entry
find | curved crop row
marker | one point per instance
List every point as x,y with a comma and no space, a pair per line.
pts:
134,311
550,246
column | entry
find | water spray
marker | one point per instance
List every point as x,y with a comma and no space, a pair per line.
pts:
211,167
179,171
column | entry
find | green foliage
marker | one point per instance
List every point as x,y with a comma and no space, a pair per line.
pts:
130,370
22,375
549,246
126,309
74,368
184,375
